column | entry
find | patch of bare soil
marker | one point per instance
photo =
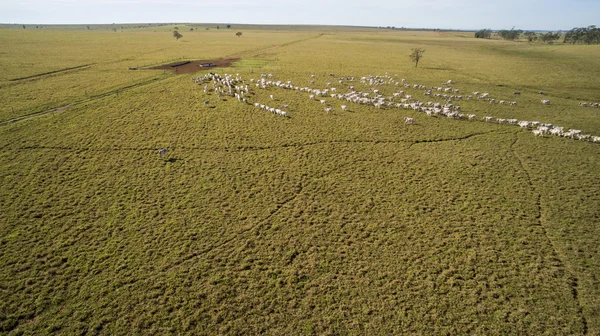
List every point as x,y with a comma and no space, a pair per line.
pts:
195,66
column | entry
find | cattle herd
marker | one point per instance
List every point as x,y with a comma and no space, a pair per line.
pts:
584,104
445,95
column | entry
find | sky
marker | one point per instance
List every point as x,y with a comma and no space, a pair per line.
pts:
444,14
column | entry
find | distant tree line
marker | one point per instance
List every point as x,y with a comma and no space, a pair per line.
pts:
90,27
510,34
588,35
584,35
550,37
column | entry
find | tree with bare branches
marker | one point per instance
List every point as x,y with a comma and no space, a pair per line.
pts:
417,55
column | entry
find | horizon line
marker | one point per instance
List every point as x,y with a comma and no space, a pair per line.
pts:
273,24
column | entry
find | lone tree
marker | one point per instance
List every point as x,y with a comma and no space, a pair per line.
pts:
177,35
238,34
417,54
228,26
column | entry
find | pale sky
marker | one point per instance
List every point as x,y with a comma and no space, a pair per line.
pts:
447,14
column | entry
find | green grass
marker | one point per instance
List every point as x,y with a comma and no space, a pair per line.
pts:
342,223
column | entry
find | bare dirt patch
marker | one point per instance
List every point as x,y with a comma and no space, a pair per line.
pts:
195,66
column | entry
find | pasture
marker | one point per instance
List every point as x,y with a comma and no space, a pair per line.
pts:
348,222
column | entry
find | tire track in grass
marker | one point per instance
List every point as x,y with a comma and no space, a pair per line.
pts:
454,139
239,234
264,220
51,72
81,67
64,107
573,280
302,185
133,57
82,101
83,149
254,52
259,148
301,188
236,235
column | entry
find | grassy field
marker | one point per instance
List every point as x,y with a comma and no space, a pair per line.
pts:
342,223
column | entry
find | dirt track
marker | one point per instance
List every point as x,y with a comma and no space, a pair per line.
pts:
64,107
194,66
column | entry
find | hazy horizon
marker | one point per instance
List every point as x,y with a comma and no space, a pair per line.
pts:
432,14
235,24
